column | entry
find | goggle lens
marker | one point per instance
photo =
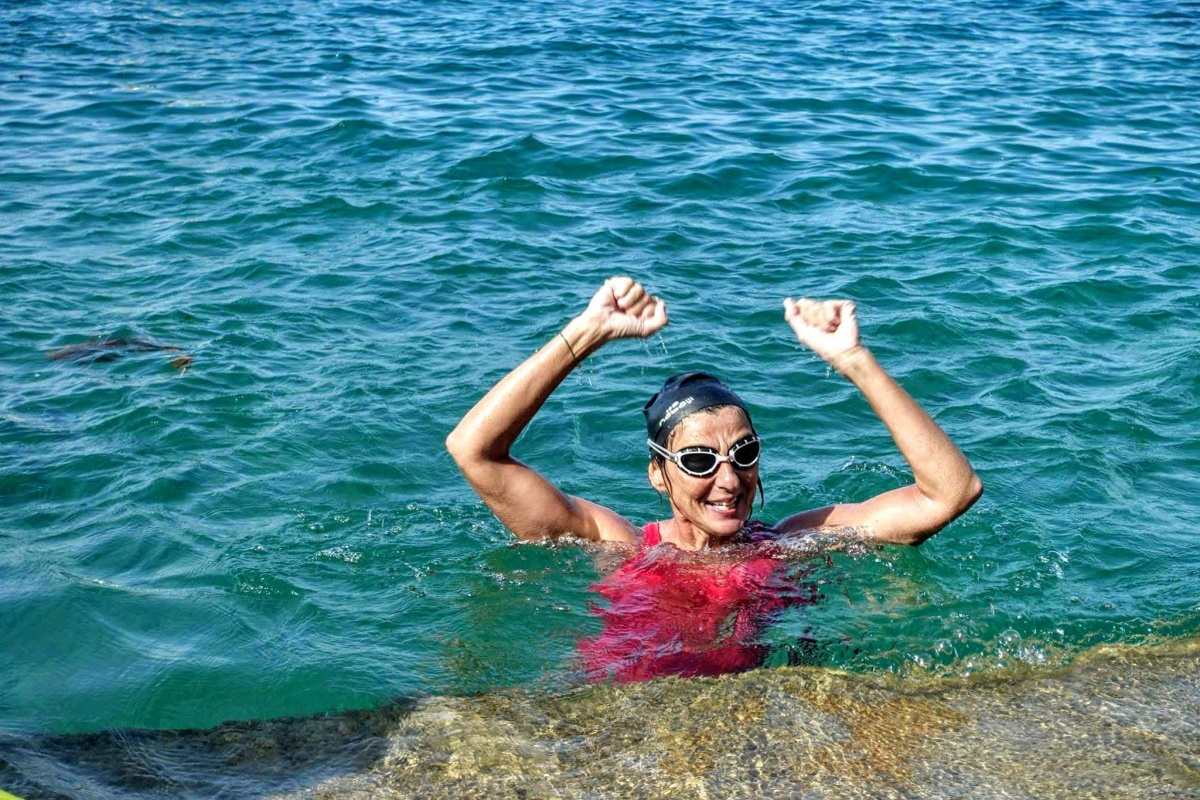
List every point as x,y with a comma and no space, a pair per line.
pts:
745,456
702,463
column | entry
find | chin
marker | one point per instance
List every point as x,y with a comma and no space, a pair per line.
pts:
729,527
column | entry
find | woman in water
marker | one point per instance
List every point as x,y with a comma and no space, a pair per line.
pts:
704,457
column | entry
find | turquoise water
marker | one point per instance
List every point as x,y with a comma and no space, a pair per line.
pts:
355,217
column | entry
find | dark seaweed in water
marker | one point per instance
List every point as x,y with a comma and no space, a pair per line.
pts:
112,349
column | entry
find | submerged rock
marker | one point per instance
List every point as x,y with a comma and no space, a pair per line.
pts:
1121,722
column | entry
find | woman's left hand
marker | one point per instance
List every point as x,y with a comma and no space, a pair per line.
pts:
827,327
945,484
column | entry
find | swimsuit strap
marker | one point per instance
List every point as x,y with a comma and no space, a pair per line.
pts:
651,534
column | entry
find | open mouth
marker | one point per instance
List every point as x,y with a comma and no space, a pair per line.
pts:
725,507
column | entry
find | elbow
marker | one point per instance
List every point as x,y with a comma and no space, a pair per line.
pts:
454,444
460,448
971,491
468,452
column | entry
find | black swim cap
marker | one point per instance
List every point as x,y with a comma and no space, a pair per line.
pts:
682,395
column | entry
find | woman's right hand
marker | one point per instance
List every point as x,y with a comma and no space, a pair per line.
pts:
623,309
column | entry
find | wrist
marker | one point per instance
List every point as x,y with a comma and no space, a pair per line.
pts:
583,337
851,362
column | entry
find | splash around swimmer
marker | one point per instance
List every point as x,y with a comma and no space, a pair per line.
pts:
703,446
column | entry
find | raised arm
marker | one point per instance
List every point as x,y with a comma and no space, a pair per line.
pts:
945,486
529,505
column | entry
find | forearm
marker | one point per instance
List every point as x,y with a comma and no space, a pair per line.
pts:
942,472
489,429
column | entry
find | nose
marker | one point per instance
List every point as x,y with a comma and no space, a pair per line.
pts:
726,477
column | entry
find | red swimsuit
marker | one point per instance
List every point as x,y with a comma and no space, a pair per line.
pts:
669,613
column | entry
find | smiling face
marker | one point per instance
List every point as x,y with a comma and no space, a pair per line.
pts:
719,505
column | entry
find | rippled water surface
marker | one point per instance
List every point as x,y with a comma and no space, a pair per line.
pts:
356,217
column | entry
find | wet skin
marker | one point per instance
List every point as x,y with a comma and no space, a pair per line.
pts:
708,511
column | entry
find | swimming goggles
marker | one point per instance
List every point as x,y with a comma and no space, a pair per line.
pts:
700,462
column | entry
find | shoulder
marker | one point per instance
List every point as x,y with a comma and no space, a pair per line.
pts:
606,525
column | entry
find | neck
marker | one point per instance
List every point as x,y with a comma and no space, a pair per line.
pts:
686,536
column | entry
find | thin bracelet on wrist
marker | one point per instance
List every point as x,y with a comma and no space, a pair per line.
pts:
840,358
574,358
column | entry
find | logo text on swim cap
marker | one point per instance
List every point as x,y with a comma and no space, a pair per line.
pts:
675,408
